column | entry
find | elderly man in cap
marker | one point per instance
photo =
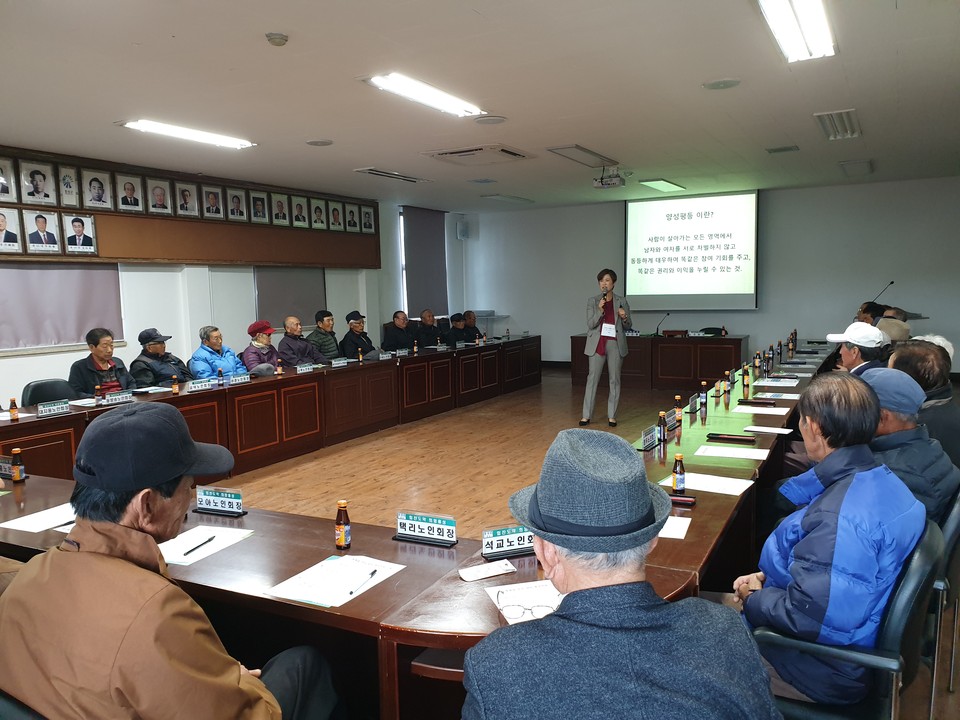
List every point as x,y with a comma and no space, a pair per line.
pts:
458,330
356,341
861,347
260,356
154,366
613,648
323,337
294,349
827,571
94,628
906,447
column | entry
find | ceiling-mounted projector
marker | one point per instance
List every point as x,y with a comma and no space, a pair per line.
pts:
609,181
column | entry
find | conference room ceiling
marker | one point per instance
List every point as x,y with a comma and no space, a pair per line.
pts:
620,77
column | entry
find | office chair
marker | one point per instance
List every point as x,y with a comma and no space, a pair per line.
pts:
13,709
895,658
38,391
712,330
946,589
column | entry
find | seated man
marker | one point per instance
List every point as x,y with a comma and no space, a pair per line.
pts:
356,341
826,572
604,651
470,330
213,355
294,349
427,332
861,347
100,367
870,312
94,628
929,364
397,336
457,332
906,448
260,356
323,338
154,366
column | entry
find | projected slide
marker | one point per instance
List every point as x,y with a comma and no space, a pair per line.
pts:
696,253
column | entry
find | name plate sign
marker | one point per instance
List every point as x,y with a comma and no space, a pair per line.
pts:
339,362
693,403
54,407
508,541
198,385
648,439
301,369
117,398
461,344
6,467
671,419
238,379
423,528
218,501
733,376
402,352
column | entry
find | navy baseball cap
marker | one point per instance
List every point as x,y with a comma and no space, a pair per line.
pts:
897,391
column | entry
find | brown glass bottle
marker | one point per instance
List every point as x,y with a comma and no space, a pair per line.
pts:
679,475
18,473
342,526
14,410
662,427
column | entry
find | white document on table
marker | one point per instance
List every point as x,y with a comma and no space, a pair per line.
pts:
790,368
728,451
525,601
43,520
776,382
200,542
777,396
336,580
675,528
6,415
711,483
768,430
761,410
84,402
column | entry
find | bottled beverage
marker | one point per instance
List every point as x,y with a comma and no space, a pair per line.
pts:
679,475
780,349
359,355
662,427
438,341
703,393
14,410
678,408
746,375
508,332
219,377
342,526
790,344
279,366
756,361
414,347
175,387
97,395
726,381
484,338
18,472
723,331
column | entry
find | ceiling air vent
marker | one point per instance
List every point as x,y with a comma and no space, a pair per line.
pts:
839,125
479,155
391,175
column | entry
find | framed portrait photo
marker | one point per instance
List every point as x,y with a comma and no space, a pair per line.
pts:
97,189
212,202
280,209
158,198
335,215
42,228
299,207
129,193
368,220
186,200
11,236
351,217
68,183
259,208
39,183
8,181
318,214
80,234
237,209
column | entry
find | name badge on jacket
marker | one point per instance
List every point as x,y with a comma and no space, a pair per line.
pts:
608,330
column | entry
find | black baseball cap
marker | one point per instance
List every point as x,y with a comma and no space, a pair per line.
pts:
151,335
355,316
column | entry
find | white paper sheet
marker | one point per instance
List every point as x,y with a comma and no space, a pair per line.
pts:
223,537
768,430
675,528
760,410
712,483
84,402
336,580
43,520
529,600
790,368
486,570
777,382
729,451
6,415
778,395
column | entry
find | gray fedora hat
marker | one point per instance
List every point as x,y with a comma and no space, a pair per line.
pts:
593,495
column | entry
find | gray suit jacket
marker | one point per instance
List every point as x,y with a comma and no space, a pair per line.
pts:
620,652
595,322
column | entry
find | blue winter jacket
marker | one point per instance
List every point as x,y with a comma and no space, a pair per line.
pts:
205,362
830,567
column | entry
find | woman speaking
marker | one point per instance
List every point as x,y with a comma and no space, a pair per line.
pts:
608,315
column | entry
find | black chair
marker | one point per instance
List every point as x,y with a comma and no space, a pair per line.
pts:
712,330
895,658
946,592
38,391
13,709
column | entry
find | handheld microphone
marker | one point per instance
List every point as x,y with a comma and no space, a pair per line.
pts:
657,331
883,291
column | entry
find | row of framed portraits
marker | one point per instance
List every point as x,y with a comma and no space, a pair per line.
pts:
45,232
42,184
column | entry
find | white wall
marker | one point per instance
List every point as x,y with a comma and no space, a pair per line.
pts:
822,251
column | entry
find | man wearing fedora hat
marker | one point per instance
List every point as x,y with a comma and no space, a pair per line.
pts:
154,366
613,648
94,628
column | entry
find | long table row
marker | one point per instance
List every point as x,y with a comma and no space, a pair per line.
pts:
272,419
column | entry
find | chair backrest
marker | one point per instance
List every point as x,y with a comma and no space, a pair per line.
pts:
13,709
711,330
38,391
903,623
951,544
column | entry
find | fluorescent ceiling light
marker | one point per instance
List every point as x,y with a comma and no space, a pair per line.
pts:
183,133
662,185
424,94
584,156
800,27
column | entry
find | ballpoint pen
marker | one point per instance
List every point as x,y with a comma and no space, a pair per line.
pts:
209,539
369,577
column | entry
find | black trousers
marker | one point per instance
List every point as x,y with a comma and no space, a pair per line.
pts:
300,680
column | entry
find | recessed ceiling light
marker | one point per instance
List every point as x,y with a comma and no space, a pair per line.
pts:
490,119
277,39
662,185
840,124
320,143
184,133
428,95
783,149
482,181
724,84
584,156
800,28
856,168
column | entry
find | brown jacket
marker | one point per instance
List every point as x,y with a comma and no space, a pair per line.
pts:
95,629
